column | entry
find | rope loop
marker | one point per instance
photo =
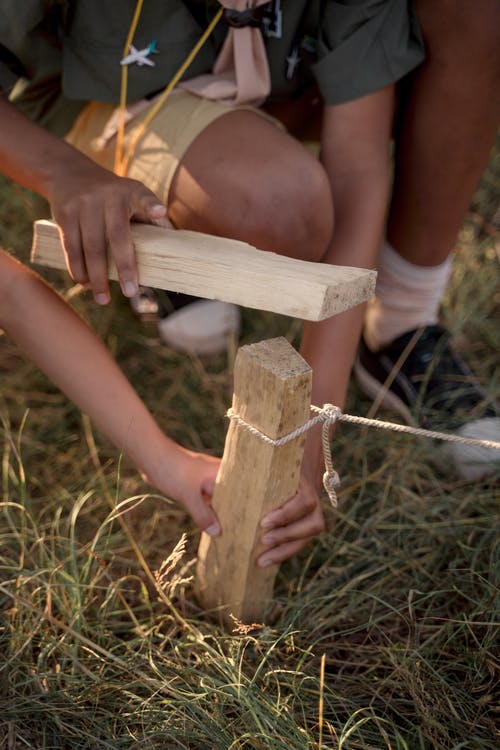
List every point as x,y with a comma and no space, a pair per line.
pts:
331,480
328,415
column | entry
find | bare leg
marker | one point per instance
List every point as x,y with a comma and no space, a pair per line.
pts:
448,127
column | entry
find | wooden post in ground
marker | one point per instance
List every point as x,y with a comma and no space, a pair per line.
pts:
272,392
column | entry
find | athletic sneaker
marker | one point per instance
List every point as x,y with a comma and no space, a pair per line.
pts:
188,324
429,385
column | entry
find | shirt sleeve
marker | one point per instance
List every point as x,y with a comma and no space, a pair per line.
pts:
364,45
16,22
8,75
31,61
25,43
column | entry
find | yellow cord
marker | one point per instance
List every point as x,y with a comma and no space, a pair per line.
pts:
121,164
123,87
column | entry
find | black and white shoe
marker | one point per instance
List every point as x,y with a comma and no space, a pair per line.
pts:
427,384
188,324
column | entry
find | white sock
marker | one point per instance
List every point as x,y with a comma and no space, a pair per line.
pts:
407,297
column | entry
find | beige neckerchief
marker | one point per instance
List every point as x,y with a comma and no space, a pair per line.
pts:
241,72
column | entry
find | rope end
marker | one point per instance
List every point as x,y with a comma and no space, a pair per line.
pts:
331,480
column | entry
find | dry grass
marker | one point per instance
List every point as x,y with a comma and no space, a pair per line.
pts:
383,633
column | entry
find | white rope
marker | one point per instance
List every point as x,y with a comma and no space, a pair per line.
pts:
418,431
328,415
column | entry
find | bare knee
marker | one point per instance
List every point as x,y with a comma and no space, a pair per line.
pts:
246,179
293,214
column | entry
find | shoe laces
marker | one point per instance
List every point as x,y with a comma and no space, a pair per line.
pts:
445,383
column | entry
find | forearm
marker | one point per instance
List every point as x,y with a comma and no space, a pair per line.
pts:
31,155
331,344
92,206
63,346
355,154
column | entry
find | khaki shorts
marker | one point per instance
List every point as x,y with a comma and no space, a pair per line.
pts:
158,153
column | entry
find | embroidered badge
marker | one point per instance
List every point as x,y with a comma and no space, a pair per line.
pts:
272,21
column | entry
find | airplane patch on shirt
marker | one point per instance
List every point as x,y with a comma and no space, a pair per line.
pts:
140,56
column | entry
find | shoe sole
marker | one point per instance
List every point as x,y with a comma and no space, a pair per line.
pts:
372,388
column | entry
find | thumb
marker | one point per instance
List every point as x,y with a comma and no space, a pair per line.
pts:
148,208
203,515
200,479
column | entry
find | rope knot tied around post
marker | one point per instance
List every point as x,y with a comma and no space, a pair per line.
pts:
327,415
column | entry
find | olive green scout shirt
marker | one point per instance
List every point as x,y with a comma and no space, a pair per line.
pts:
56,55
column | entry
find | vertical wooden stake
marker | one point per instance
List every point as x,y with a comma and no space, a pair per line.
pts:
272,392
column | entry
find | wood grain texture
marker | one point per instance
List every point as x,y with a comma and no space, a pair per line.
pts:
272,391
228,270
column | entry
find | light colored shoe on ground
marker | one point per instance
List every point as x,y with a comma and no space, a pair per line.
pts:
203,327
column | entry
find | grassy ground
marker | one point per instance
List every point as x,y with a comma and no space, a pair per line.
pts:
382,634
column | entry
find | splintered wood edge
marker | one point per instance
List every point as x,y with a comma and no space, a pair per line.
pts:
228,270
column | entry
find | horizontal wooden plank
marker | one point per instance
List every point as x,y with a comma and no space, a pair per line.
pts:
228,270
